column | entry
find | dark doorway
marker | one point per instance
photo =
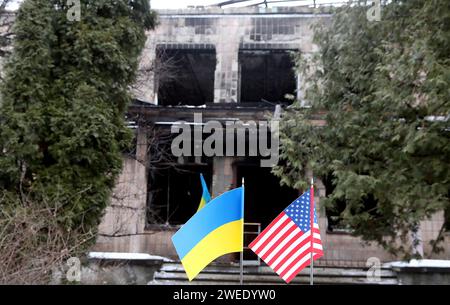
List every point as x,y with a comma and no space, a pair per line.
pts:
334,213
266,75
188,76
265,199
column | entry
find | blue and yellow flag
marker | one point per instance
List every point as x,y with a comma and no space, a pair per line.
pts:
215,230
206,197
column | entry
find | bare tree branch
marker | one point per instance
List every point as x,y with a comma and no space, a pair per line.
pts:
155,70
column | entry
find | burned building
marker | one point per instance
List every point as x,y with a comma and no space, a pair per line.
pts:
229,65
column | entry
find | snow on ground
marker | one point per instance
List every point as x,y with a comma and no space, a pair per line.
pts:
126,256
423,263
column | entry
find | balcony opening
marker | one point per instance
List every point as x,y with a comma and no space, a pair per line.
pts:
265,199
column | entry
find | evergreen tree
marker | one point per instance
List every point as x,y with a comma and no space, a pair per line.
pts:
65,92
383,90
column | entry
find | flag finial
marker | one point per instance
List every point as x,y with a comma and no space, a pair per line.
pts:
312,181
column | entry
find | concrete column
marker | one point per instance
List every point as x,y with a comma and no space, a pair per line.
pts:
222,175
226,81
124,220
226,76
142,145
146,87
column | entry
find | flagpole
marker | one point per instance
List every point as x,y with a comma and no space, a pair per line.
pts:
311,199
242,252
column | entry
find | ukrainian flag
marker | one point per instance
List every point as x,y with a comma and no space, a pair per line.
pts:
215,230
206,197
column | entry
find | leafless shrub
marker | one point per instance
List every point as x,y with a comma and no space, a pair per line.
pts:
33,243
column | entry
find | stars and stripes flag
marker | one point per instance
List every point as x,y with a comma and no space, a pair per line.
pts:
286,244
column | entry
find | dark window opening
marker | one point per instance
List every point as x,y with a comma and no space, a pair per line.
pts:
264,197
334,211
175,193
186,77
335,222
266,76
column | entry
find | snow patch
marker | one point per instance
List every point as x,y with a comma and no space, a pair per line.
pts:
423,263
126,256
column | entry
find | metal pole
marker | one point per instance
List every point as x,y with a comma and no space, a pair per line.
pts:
311,200
242,252
242,268
168,198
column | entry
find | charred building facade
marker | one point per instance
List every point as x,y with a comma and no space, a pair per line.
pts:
228,65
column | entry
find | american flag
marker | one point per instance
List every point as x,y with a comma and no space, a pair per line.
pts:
285,245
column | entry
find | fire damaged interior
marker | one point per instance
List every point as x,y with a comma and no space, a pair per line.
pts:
174,188
175,193
265,198
266,75
188,76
